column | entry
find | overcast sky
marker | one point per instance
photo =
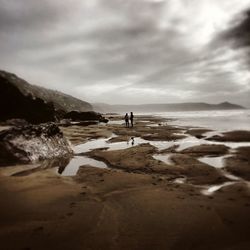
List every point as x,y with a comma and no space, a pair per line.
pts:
130,51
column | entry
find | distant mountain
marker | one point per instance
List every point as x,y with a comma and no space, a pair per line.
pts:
107,108
19,99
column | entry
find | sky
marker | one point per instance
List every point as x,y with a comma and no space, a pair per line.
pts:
130,51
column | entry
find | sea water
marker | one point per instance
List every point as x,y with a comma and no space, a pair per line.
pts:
220,120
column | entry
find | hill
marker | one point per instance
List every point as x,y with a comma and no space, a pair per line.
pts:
104,108
60,100
19,99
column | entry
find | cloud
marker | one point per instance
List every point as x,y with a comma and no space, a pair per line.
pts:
239,33
135,50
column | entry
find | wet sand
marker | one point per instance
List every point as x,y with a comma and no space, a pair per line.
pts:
137,202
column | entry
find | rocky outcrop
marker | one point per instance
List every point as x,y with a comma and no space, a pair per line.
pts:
16,122
206,150
19,99
14,104
239,163
85,116
32,143
232,136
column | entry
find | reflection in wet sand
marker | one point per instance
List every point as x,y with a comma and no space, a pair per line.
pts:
104,143
212,189
47,164
73,166
164,158
192,141
217,162
181,180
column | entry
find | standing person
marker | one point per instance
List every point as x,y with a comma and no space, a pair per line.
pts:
126,120
132,119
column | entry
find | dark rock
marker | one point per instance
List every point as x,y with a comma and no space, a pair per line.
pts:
197,172
62,102
32,143
232,136
16,122
206,150
19,99
68,122
104,120
112,114
85,116
198,133
239,163
59,114
65,123
86,123
14,104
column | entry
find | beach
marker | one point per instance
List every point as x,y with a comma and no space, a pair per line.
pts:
162,184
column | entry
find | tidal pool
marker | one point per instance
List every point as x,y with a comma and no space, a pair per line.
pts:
164,158
74,165
211,189
217,162
192,141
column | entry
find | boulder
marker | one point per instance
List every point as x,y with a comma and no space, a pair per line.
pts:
32,143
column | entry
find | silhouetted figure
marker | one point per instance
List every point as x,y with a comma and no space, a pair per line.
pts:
126,120
132,119
133,141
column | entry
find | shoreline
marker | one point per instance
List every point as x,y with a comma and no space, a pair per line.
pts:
140,203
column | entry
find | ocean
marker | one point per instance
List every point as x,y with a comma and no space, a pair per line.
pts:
220,120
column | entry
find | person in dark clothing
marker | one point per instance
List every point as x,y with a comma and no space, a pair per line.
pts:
133,141
126,120
132,119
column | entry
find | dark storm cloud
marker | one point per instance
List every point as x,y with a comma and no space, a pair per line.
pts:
141,50
240,33
28,14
